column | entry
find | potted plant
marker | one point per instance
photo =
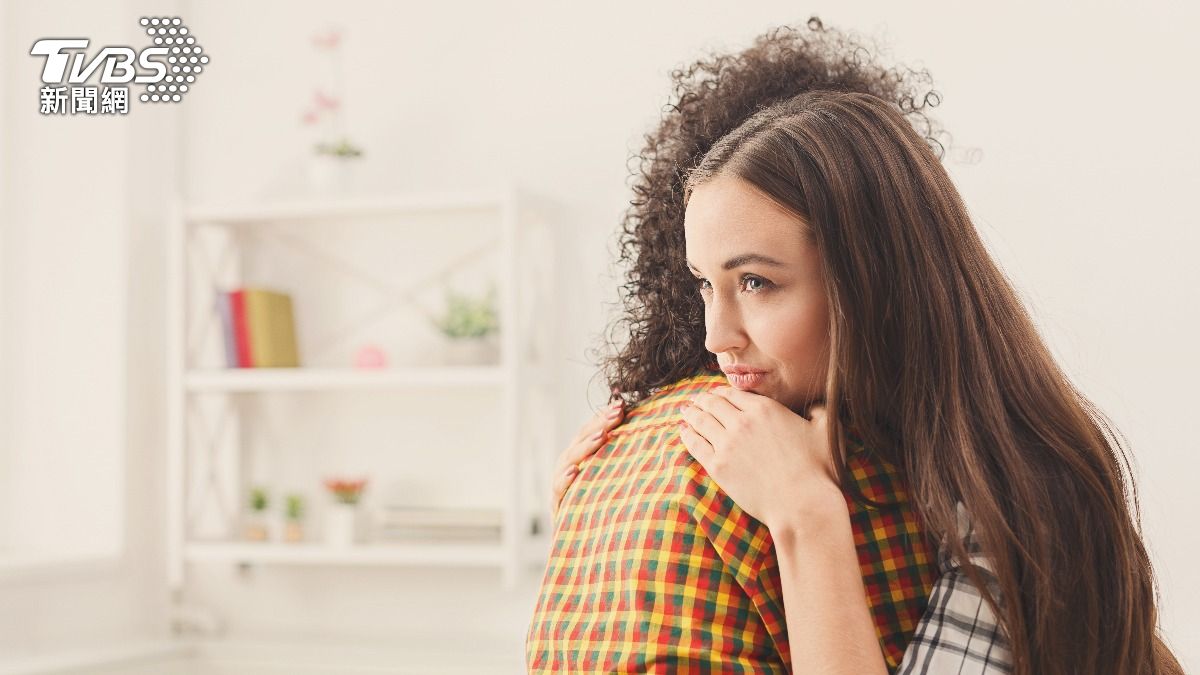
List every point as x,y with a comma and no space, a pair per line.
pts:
335,158
470,325
341,521
294,514
256,521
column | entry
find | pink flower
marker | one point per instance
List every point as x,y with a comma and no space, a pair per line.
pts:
324,101
311,117
327,40
346,491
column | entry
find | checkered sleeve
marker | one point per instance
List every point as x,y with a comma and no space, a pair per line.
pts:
959,633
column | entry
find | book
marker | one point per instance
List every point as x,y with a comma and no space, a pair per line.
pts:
271,328
227,332
258,328
237,305
399,534
435,517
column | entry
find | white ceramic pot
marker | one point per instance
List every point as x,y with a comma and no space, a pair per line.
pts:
471,351
330,174
341,525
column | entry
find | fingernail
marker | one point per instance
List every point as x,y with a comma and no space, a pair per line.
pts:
570,470
596,436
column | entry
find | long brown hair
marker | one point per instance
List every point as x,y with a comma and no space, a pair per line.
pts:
937,364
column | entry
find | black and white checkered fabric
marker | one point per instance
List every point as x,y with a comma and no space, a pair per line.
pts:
958,633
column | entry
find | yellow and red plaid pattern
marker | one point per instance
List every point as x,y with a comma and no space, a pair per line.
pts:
654,569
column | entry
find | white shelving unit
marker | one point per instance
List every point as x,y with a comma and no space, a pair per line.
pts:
524,248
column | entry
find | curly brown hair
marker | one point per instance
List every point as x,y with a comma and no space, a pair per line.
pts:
663,319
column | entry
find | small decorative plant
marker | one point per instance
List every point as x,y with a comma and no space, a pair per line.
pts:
294,512
333,162
343,149
341,519
469,317
325,110
259,499
295,507
346,491
256,527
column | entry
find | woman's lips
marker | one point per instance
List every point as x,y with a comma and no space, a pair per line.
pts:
746,381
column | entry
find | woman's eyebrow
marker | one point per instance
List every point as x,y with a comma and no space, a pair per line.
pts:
744,259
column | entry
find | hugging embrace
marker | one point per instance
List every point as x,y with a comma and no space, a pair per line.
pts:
839,443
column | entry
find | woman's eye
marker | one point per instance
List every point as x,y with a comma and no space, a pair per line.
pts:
763,283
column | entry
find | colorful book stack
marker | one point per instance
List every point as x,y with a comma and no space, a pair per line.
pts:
259,328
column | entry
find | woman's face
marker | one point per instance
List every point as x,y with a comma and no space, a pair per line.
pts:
764,297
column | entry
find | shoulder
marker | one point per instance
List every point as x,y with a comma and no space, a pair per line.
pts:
664,404
959,632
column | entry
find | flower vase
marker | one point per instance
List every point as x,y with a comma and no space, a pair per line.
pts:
471,351
341,525
330,174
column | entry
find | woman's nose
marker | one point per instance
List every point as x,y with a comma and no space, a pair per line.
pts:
723,328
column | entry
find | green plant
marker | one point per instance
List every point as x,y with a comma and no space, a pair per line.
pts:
259,499
343,149
294,506
469,317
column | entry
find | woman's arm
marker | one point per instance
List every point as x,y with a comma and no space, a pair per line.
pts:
829,625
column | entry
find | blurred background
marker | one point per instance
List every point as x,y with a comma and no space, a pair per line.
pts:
284,364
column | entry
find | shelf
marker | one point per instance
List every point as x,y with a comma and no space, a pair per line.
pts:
319,379
486,553
346,207
217,245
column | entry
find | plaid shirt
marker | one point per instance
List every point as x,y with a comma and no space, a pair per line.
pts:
654,569
959,633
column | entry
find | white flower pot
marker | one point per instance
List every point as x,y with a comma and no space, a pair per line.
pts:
331,174
341,525
471,351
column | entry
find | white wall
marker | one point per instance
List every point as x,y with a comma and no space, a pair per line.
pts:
1088,157
79,445
64,352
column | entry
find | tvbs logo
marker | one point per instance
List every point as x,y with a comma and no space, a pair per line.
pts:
167,69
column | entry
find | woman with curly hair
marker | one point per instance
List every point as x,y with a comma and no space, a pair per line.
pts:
794,228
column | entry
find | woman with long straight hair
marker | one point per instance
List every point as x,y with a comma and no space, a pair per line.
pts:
824,260
932,357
